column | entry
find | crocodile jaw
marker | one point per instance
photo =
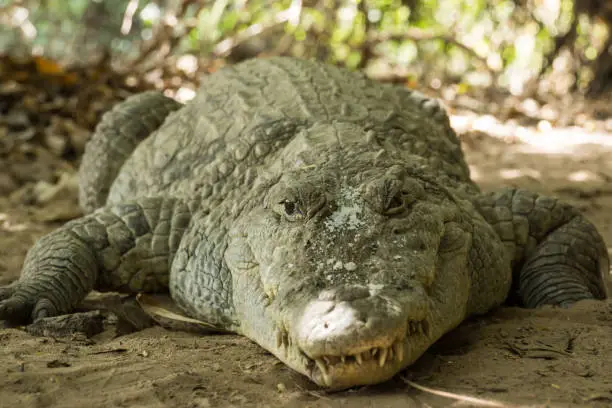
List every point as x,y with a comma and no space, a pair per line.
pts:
340,343
359,364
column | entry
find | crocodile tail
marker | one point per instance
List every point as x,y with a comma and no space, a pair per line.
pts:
114,140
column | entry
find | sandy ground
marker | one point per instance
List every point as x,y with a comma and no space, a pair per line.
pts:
519,357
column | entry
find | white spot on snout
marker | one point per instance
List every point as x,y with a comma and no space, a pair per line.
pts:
375,288
350,266
323,320
348,214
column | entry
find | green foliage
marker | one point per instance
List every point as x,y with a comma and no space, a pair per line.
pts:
432,39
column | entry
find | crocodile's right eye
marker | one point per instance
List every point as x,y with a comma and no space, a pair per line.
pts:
290,210
299,201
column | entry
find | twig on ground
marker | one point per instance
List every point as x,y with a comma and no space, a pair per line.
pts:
459,397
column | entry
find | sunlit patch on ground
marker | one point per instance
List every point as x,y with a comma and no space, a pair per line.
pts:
517,173
583,175
543,138
8,225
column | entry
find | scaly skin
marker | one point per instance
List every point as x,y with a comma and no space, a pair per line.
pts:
117,136
329,218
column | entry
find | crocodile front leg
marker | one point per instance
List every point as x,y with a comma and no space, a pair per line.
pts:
558,257
127,247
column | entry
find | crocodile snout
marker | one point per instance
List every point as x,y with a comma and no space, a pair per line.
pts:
356,332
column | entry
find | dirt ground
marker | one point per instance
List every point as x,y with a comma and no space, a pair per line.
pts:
517,357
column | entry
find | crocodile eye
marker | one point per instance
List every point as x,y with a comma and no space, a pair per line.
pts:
289,207
291,210
396,204
391,196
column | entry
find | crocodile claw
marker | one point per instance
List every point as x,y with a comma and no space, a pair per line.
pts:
20,306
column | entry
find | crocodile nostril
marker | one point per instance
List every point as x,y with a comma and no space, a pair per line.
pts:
350,293
345,294
399,230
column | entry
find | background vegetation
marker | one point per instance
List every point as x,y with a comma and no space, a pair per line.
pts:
522,46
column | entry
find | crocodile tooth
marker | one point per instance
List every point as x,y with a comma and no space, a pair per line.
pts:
358,358
326,359
398,347
382,359
279,338
343,359
269,293
425,327
374,351
322,367
326,379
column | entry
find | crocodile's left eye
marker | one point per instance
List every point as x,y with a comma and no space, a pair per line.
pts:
392,197
396,204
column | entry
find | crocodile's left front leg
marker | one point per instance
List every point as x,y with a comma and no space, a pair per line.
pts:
558,257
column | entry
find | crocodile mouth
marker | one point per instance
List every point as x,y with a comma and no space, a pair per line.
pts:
360,365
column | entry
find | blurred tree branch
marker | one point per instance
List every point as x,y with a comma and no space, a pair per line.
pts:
504,43
417,35
290,15
165,37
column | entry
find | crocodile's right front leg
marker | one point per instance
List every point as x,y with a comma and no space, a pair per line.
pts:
126,247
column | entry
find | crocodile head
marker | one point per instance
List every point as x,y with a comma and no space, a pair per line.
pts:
350,269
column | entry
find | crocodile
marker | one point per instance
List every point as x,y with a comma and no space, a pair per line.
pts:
327,217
